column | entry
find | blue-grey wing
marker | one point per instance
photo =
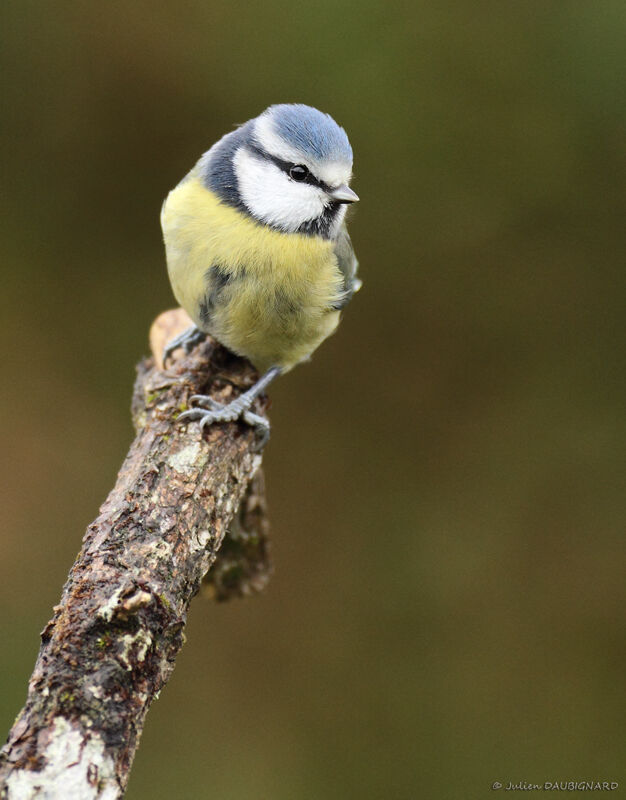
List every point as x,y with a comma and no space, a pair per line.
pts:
348,266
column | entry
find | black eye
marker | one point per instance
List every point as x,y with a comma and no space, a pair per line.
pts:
298,173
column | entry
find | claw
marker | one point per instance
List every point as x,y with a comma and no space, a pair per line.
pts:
207,419
191,415
226,414
262,427
188,339
209,410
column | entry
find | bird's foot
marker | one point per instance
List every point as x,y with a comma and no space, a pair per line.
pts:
208,411
188,339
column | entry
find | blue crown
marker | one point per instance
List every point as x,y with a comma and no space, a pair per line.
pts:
311,132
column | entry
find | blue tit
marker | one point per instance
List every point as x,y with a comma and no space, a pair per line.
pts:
257,248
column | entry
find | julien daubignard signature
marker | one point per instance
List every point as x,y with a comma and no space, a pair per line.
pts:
558,786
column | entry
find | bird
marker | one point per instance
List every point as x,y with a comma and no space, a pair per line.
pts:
257,249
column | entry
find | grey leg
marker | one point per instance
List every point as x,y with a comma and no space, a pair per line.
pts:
208,410
188,339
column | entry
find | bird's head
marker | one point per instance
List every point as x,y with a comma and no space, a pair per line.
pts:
289,168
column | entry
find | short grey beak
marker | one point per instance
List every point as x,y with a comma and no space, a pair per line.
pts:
343,194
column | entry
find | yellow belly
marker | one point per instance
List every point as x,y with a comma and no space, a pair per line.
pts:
276,307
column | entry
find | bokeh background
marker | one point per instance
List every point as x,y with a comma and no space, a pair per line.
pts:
445,477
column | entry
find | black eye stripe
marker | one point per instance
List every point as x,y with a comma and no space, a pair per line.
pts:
287,166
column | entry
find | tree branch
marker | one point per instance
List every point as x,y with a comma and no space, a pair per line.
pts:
114,637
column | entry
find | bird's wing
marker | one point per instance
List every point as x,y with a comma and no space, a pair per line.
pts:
348,266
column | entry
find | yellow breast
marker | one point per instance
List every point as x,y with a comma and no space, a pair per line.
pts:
276,307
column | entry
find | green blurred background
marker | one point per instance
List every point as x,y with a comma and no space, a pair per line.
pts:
445,478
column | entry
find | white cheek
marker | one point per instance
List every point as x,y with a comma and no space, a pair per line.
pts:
272,197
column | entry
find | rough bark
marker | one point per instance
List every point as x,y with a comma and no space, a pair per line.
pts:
112,642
